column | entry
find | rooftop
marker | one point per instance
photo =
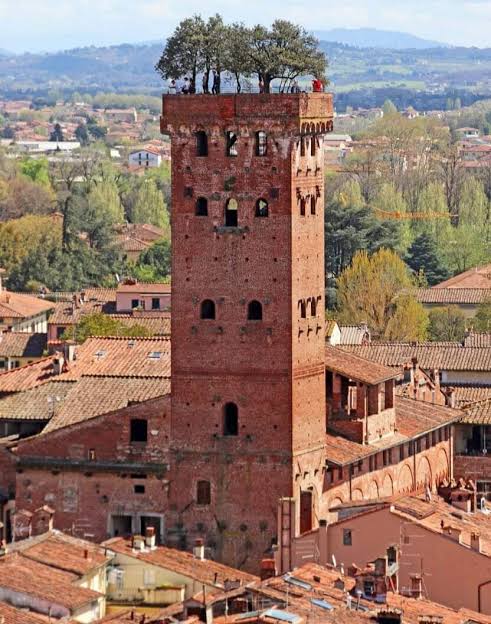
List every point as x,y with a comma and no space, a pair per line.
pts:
155,288
15,305
38,403
478,413
454,295
28,376
20,344
181,562
477,277
355,367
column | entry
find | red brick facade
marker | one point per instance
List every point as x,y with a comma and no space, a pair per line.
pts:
271,369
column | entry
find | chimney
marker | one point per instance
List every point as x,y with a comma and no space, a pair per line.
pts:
452,532
86,553
476,542
58,362
268,569
138,542
150,538
199,549
416,586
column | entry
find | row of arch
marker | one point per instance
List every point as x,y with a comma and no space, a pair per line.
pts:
231,214
317,128
232,143
254,310
309,306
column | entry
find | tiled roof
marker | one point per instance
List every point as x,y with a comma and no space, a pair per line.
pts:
67,313
413,419
352,334
25,576
129,243
121,357
156,324
63,552
99,294
157,288
35,404
20,344
476,339
356,367
181,562
477,277
15,305
28,376
430,355
93,396
454,295
13,615
478,414
466,395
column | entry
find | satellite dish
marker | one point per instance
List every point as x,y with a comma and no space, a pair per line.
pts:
334,560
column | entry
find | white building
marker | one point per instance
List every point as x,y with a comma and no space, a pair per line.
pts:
145,157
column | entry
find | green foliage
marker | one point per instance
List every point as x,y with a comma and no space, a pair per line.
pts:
154,264
149,205
423,256
57,134
96,132
447,324
36,170
104,204
81,134
482,320
376,290
21,236
99,324
389,107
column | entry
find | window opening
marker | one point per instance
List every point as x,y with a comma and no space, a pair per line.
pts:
203,493
302,147
139,489
138,430
201,143
313,204
232,139
313,146
313,306
201,207
302,207
261,143
303,308
208,309
230,420
262,209
231,213
347,537
155,303
255,311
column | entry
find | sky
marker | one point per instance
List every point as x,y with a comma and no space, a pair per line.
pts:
36,25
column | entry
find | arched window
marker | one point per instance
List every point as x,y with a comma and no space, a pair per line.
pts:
302,147
208,309
230,420
254,311
261,143
313,306
201,207
313,146
232,139
303,308
313,204
302,207
231,213
262,208
201,143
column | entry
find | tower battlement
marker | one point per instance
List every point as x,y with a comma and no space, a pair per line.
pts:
300,113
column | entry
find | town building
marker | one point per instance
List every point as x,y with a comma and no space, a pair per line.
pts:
19,348
23,313
147,157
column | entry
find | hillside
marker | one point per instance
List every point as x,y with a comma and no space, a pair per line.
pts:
374,38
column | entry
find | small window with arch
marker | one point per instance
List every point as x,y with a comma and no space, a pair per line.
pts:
303,308
262,208
230,420
302,147
231,213
201,143
313,204
232,139
207,311
254,311
302,206
313,146
201,209
261,143
313,306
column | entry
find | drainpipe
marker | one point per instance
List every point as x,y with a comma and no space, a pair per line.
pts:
479,594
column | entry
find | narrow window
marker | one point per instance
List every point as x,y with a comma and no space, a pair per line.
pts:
208,310
138,430
313,146
302,207
201,207
135,303
261,143
254,311
230,420
303,308
262,209
139,489
302,147
232,144
231,213
92,455
155,303
347,537
313,204
201,143
313,306
203,493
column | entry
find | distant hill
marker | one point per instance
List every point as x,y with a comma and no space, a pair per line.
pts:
5,52
373,38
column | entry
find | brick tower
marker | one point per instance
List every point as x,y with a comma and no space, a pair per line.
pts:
248,378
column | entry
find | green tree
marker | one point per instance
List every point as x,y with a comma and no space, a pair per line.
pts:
57,134
474,205
154,264
447,324
96,131
376,290
36,170
81,134
389,203
149,205
423,256
389,108
184,50
482,320
99,324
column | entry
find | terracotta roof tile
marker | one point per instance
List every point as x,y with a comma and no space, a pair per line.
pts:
28,376
23,575
66,313
20,344
12,615
157,288
475,339
467,395
453,296
479,413
356,367
17,305
181,562
477,277
35,404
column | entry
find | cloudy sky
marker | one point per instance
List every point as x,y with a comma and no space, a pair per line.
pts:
60,24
